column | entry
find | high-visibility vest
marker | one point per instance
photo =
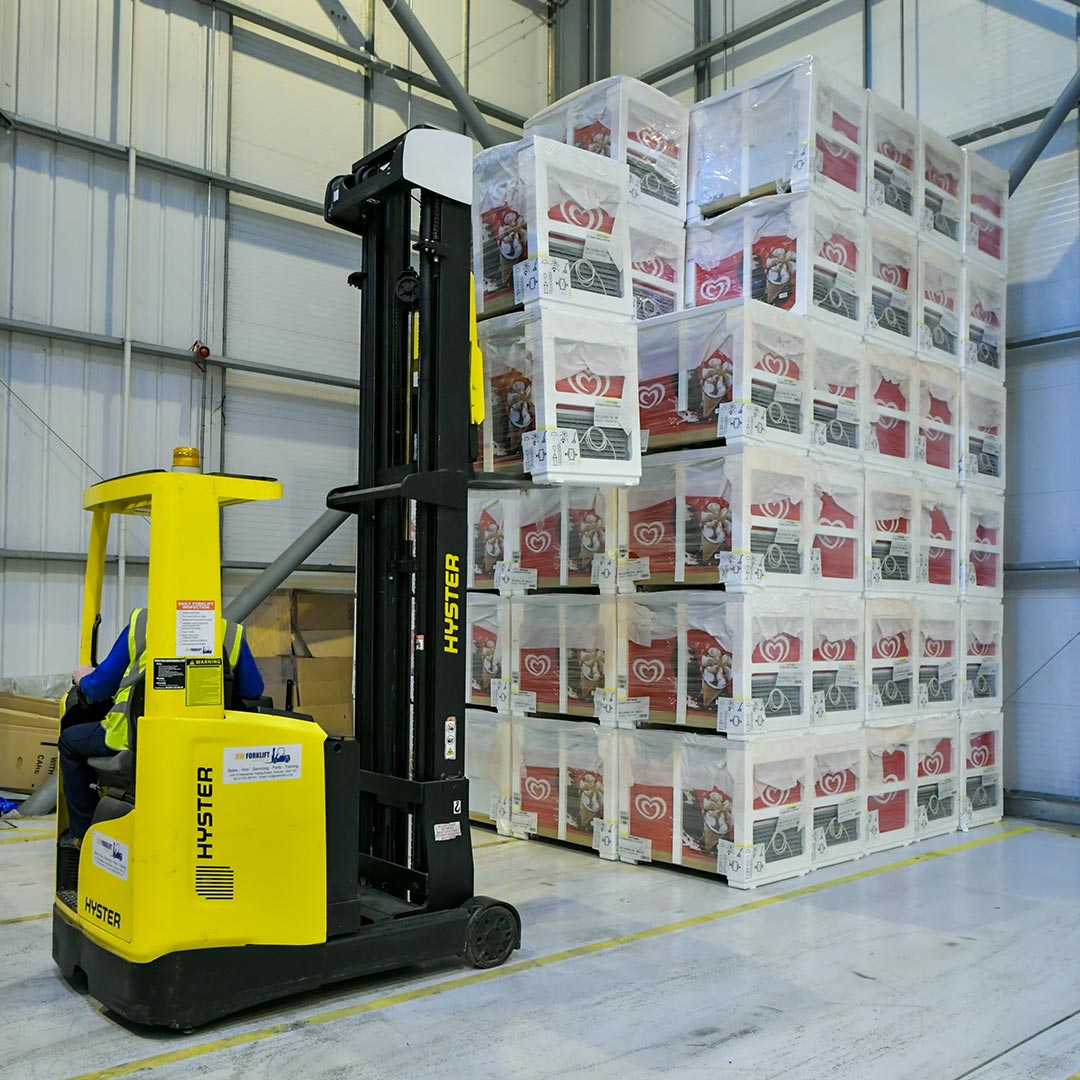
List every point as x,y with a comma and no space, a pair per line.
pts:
115,722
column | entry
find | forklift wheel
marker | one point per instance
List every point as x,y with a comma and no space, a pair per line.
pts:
492,936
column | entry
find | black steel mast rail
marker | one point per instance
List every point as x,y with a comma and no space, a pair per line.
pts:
410,854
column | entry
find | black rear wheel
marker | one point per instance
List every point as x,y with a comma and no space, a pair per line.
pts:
492,936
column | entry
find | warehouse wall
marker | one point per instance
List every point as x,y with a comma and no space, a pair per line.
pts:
964,66
260,282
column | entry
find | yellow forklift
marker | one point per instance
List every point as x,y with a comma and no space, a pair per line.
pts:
239,854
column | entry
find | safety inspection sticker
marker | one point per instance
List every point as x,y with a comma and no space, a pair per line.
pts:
110,855
195,624
248,764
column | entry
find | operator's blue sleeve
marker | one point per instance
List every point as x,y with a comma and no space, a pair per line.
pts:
103,682
249,683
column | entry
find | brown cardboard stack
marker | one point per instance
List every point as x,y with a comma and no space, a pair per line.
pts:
29,728
306,639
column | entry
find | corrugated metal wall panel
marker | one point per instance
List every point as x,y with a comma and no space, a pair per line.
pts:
171,237
645,33
982,62
59,433
171,74
40,606
1044,226
68,214
298,119
288,303
71,61
332,18
307,438
507,55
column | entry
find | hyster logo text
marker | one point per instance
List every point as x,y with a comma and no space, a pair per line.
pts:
204,812
102,913
451,607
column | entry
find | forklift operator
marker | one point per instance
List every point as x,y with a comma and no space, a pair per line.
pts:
116,678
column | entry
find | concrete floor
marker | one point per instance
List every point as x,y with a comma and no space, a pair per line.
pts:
900,965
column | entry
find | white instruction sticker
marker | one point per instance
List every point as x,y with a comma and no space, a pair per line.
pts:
110,855
251,764
634,710
635,849
848,809
523,823
789,819
195,623
447,830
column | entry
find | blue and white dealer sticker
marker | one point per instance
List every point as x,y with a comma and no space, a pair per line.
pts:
251,764
110,855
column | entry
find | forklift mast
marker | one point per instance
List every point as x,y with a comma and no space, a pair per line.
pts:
416,444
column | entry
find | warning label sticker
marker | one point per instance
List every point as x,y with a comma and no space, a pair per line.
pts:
204,681
110,855
169,674
250,764
195,623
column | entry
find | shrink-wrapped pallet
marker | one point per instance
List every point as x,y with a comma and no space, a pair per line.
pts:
836,527
891,284
804,253
981,747
941,191
983,622
838,771
982,434
892,408
837,666
487,766
937,775
937,569
937,443
890,769
492,520
940,307
984,322
987,197
630,121
801,127
535,201
982,538
562,395
938,656
563,650
657,263
892,518
891,635
564,782
893,162
839,392
487,680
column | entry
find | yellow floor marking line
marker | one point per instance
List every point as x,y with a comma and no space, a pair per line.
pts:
25,918
419,993
497,843
4,839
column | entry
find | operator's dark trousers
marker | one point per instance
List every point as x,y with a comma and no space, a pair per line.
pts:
77,743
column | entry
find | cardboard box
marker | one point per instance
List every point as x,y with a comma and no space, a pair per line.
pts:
268,628
20,703
28,754
323,611
326,643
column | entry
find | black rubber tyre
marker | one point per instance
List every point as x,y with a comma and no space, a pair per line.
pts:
492,936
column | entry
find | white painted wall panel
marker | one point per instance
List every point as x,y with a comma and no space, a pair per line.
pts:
340,20
307,438
288,303
298,119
